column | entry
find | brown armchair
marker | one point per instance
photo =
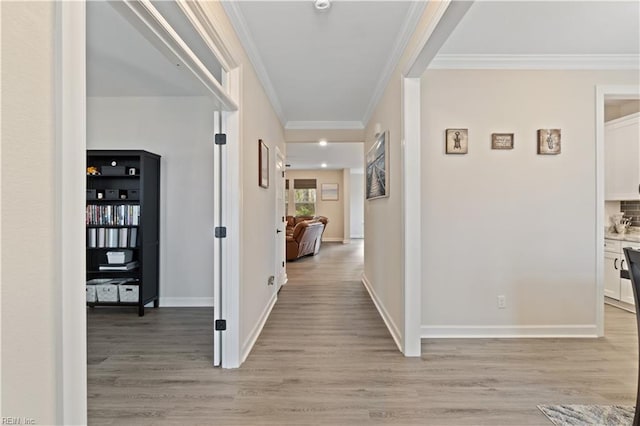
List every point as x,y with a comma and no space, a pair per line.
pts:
304,239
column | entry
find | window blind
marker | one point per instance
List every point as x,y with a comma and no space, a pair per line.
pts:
304,184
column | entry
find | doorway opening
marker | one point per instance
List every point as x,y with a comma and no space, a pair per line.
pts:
618,174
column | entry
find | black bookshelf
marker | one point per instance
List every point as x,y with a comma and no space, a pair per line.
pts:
124,199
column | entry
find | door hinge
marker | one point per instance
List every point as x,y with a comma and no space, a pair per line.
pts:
221,325
221,232
283,218
282,174
221,139
283,264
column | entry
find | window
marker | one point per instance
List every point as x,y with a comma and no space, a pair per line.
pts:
286,197
304,194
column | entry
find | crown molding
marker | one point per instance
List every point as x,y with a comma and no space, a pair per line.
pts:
411,21
324,125
239,24
539,62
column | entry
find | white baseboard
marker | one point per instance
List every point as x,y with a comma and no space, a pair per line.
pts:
393,328
186,302
255,333
507,331
346,241
332,240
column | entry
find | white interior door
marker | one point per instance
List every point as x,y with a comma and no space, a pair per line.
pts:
281,225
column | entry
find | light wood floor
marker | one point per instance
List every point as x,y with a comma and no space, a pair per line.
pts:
325,357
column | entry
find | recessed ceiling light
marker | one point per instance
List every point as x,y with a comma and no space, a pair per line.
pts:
323,165
322,4
322,142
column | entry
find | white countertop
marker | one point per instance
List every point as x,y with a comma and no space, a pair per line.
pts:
631,235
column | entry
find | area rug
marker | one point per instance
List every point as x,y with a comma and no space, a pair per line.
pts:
588,414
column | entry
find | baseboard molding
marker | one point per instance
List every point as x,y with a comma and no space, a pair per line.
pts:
332,240
346,241
393,328
186,302
507,331
255,333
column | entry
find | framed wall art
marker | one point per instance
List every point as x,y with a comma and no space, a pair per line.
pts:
457,141
501,140
377,168
549,141
263,164
329,191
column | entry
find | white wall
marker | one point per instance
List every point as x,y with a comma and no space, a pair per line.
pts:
357,204
31,334
333,210
510,222
180,130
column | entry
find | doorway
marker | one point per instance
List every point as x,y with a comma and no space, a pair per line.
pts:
612,103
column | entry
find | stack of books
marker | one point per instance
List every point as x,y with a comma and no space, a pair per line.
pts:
119,266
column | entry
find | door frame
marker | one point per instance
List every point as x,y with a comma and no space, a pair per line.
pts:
70,152
602,92
280,240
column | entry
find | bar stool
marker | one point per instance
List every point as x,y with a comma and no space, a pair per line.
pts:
633,260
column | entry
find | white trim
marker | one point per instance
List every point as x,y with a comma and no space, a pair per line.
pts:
446,17
601,93
164,37
186,302
324,125
346,241
388,321
508,331
332,240
412,196
538,62
206,25
1,247
242,30
70,152
255,333
408,27
231,216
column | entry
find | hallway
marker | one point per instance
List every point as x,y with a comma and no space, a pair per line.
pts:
325,357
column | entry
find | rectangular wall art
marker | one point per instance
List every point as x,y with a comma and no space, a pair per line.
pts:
377,184
457,141
549,141
502,141
329,191
263,164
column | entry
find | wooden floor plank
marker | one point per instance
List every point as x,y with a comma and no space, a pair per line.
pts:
326,357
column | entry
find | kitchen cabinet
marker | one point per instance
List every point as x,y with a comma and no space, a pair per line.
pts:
622,158
617,289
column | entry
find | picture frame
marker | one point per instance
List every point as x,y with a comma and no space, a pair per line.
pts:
263,164
329,191
377,168
549,141
457,141
501,140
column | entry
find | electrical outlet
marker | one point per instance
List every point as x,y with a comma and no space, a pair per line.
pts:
271,280
502,302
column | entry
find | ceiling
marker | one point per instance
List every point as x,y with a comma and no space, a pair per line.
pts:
326,67
122,62
339,155
547,27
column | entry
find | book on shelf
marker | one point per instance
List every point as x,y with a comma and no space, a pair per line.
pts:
119,267
92,237
133,237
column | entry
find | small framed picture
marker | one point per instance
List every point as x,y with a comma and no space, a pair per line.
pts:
329,191
457,141
549,141
263,164
501,140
